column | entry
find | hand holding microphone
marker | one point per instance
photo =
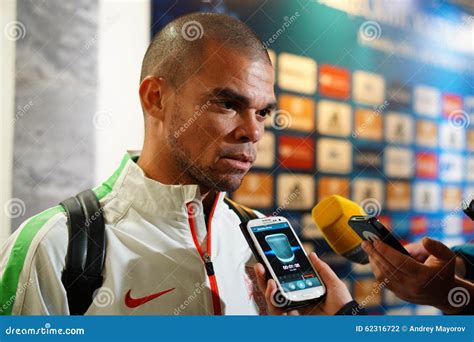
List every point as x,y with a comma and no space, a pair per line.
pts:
344,225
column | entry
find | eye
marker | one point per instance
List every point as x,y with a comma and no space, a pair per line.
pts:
227,104
264,113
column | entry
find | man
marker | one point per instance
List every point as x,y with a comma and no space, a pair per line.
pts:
173,245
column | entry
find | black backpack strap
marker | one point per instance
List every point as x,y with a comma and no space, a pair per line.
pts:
86,250
245,214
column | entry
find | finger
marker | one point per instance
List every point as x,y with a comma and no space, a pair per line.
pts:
401,262
269,292
438,249
417,251
382,268
269,295
389,278
335,287
327,274
396,282
413,247
261,278
293,312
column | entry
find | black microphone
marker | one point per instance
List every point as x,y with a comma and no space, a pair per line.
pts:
468,208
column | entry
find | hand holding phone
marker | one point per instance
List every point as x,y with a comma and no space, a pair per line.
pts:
336,297
277,247
370,228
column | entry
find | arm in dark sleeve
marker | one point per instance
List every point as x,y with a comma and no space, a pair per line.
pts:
352,308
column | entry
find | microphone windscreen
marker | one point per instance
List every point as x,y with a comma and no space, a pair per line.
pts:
331,216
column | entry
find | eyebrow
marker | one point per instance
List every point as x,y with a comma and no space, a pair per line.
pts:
230,94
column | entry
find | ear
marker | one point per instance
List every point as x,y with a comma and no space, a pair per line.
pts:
151,96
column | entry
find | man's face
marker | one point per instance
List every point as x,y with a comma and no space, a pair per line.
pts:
218,117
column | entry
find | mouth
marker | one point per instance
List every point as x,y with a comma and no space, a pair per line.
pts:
238,161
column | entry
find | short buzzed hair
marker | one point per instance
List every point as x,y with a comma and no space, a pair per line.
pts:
176,51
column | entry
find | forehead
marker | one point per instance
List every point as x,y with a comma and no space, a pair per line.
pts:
227,68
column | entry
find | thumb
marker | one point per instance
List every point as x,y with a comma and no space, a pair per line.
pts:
327,274
417,250
437,249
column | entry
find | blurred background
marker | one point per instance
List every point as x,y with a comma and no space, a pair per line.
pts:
376,103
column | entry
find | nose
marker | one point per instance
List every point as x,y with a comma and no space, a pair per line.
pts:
249,129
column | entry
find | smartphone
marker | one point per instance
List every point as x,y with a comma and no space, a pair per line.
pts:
371,229
276,245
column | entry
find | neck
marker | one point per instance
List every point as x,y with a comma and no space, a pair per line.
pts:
165,174
151,161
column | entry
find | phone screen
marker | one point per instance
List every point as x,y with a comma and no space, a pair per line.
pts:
286,256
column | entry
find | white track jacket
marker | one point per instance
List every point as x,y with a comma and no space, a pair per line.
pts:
157,241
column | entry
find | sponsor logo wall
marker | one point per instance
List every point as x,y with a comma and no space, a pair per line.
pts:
412,164
391,131
371,136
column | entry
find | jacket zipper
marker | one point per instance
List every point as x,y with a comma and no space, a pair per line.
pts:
206,258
